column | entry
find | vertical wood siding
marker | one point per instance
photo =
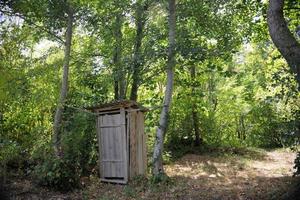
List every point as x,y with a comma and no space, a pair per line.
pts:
112,146
122,145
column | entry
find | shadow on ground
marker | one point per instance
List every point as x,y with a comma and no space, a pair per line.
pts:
231,174
205,187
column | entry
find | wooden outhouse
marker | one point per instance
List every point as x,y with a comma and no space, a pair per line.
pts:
122,141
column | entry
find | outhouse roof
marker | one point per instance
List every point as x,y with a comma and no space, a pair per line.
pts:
117,105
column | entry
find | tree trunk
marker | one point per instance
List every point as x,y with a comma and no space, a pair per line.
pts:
243,129
119,72
237,118
163,122
64,86
198,138
283,38
137,56
116,86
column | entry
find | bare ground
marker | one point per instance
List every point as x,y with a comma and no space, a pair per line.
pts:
234,176
241,175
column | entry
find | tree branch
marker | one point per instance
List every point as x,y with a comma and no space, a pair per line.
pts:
25,18
294,8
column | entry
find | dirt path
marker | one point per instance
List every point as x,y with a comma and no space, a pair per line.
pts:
234,175
268,176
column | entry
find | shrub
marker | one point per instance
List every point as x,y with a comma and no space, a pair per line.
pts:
58,173
297,165
79,154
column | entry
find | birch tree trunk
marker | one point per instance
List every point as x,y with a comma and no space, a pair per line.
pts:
283,38
64,86
163,122
137,55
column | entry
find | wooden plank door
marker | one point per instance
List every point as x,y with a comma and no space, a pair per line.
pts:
112,147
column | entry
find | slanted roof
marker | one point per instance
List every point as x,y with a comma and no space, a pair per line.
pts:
117,105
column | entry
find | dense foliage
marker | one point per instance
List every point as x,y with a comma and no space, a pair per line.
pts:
232,87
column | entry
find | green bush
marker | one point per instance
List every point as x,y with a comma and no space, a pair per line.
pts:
297,165
58,173
79,154
79,142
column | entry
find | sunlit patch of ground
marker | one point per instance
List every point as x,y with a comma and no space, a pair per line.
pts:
234,177
236,174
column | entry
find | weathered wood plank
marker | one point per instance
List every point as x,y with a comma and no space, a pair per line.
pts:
133,150
109,126
98,122
142,144
112,148
128,142
106,151
122,120
113,181
144,136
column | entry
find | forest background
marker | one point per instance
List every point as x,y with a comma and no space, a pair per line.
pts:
232,88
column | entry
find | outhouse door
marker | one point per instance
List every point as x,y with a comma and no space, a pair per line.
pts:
112,147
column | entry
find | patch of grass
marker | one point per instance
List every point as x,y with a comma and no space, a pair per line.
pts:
160,183
140,183
160,178
85,195
174,154
104,198
130,191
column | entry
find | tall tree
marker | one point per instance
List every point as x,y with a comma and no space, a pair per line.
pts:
163,122
140,18
282,37
65,77
119,85
198,138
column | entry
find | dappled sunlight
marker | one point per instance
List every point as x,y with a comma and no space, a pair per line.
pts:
207,176
234,177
